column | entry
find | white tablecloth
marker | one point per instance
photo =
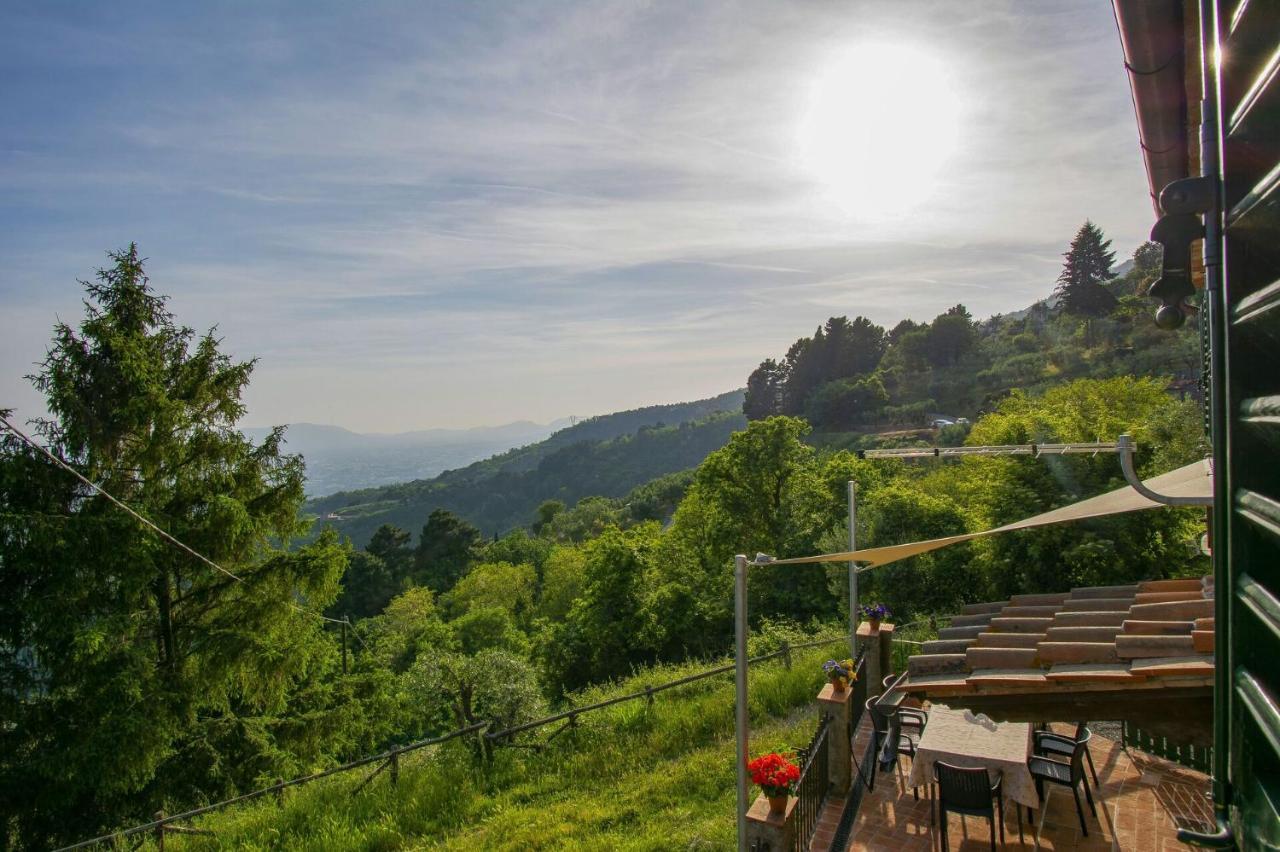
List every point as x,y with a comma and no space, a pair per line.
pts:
961,738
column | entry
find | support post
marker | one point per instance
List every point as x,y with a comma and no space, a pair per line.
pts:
767,830
879,644
853,571
837,706
740,684
159,815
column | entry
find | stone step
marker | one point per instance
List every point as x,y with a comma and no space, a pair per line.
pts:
1141,646
1168,597
1000,658
1077,652
1029,611
946,646
930,664
970,620
1175,611
1203,641
1172,628
1082,634
1185,585
1089,619
1039,600
1020,625
1205,623
983,608
962,632
1097,605
1089,592
1008,640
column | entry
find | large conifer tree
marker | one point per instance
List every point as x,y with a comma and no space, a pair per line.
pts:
133,675
1086,268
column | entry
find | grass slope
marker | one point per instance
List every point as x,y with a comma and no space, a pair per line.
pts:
628,777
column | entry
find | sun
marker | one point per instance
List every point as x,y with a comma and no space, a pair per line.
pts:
879,128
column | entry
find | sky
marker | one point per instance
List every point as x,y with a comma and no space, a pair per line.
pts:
422,214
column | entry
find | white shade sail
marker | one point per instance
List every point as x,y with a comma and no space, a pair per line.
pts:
1193,480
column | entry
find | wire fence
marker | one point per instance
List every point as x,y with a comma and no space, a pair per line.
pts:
390,759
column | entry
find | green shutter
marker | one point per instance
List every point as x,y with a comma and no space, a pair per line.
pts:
1246,392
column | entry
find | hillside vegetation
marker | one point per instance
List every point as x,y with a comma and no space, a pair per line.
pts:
631,776
163,683
605,456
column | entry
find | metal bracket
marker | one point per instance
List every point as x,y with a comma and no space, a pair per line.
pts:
1126,448
1183,202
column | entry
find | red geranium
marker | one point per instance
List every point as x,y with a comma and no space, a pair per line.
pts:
774,774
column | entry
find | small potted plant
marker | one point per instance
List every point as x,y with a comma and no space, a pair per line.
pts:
841,673
777,777
874,614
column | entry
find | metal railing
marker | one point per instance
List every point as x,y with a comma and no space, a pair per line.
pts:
811,792
1197,757
390,759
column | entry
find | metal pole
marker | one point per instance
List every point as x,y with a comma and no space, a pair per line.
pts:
740,683
853,571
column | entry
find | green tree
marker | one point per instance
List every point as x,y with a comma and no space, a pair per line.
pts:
1086,269
765,387
122,656
607,630
375,575
445,550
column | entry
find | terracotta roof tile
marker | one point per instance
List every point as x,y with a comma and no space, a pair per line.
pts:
1099,637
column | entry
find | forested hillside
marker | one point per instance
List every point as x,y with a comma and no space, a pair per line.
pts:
855,376
605,456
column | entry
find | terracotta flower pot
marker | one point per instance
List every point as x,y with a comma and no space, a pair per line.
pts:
875,624
778,804
838,684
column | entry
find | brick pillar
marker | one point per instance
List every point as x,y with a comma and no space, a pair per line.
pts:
879,647
776,832
839,749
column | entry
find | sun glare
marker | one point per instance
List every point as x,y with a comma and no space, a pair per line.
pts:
880,126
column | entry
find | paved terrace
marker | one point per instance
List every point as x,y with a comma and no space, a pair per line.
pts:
1146,800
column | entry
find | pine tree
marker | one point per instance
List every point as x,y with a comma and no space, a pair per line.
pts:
130,671
1088,265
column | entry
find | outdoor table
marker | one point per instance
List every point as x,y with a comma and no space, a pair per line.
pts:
961,738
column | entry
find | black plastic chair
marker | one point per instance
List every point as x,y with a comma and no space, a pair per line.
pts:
967,791
897,731
1059,745
1068,774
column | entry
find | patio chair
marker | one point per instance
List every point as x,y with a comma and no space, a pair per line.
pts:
897,731
969,791
1068,774
1059,745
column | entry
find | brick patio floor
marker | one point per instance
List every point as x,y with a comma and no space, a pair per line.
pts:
1146,800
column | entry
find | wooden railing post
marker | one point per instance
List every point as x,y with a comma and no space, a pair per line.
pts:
786,653
395,768
159,815
280,792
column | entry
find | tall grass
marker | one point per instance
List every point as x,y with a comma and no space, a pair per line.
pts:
632,776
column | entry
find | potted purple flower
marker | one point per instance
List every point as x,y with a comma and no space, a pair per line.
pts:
875,613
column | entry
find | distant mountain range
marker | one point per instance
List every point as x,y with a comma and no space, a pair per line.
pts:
604,456
341,460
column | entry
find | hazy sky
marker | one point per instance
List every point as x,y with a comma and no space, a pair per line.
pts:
449,214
